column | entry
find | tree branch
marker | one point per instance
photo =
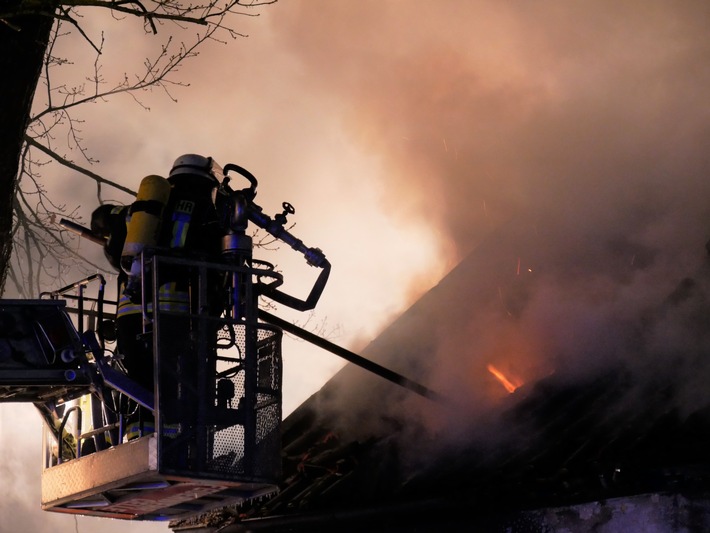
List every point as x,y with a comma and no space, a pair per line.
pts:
98,179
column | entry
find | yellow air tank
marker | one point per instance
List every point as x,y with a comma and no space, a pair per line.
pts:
146,217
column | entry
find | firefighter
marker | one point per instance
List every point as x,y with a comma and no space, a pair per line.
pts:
183,221
109,221
190,227
129,229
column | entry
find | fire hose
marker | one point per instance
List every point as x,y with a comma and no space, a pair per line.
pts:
352,357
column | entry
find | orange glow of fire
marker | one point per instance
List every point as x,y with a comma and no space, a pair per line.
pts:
510,387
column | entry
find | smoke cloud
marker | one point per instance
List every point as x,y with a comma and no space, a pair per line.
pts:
582,130
594,112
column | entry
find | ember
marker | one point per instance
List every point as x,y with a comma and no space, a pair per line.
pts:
509,386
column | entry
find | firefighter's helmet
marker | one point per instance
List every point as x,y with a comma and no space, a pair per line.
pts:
196,166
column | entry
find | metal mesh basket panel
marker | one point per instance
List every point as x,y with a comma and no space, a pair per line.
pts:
234,433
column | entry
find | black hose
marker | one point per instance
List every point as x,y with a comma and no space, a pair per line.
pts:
352,357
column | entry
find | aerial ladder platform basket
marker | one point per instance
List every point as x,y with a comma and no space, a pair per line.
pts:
216,402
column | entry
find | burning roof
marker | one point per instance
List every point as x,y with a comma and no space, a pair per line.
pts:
564,386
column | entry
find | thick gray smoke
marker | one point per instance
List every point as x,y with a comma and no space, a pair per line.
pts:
586,124
598,112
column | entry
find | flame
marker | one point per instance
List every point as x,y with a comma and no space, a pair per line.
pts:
510,387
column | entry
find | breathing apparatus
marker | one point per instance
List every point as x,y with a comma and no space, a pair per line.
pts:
143,229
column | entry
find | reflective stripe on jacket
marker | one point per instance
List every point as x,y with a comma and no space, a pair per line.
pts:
172,299
169,296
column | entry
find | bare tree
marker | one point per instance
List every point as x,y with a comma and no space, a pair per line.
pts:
41,128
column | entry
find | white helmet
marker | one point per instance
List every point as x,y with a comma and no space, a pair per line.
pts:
196,165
